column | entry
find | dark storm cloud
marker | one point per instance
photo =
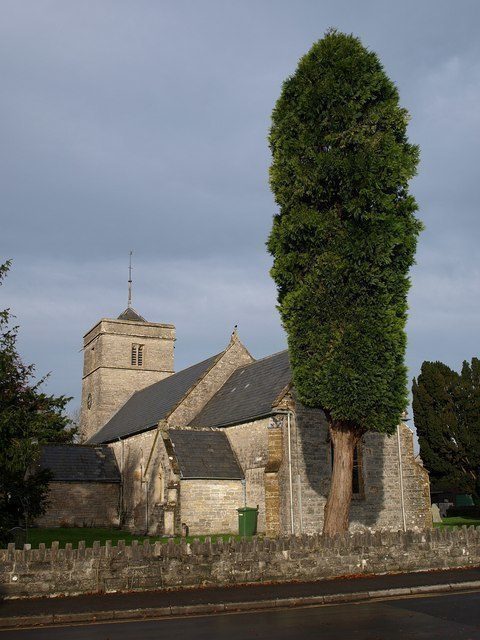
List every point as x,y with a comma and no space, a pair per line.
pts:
144,125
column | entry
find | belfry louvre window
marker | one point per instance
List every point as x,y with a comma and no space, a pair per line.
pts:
137,355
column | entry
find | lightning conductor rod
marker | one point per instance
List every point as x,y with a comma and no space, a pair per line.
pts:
130,281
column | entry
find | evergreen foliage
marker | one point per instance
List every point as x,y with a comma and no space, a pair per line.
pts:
28,419
345,234
446,408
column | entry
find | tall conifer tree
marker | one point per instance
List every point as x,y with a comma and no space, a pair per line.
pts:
446,409
436,422
343,242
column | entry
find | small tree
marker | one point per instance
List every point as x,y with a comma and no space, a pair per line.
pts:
28,419
343,242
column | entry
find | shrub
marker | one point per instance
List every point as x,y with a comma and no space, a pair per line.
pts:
464,512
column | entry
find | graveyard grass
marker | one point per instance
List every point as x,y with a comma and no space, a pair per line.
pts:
74,535
458,522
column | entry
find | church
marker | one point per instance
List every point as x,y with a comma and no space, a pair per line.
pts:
167,452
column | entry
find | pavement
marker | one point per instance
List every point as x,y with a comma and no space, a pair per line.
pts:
86,609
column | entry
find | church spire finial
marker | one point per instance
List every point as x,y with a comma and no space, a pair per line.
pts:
130,313
130,282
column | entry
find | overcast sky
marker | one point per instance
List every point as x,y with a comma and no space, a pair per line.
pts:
143,124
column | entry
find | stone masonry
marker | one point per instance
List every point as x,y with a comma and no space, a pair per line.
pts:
48,572
145,465
210,506
109,378
378,505
138,461
261,448
249,441
82,504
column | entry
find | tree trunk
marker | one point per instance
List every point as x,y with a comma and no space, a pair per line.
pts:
344,436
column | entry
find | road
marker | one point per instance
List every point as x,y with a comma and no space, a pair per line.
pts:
442,617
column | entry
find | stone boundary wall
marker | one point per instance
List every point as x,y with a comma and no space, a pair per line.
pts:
54,571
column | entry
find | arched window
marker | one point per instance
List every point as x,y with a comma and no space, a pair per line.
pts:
159,488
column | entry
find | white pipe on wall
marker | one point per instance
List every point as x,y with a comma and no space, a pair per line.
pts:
299,478
299,488
122,469
244,489
292,525
400,468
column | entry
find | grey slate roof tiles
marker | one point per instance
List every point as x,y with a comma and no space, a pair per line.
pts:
204,454
132,315
147,407
79,463
249,393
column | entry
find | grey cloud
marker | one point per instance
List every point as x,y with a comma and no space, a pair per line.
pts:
145,126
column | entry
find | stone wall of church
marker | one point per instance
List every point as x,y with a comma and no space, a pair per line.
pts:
82,504
310,464
150,482
146,474
378,505
210,506
249,442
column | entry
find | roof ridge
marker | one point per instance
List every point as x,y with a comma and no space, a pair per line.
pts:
86,445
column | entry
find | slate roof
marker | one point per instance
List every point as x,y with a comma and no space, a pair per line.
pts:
147,407
205,454
131,314
79,463
249,393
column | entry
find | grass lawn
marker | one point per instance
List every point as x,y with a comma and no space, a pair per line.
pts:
458,522
90,535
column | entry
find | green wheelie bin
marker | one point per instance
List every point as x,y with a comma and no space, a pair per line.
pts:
247,521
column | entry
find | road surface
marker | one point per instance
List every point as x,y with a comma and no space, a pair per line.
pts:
442,617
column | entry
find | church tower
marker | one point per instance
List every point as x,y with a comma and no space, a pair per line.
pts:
121,356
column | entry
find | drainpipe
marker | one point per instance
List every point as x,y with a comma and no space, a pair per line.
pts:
122,447
288,413
292,524
402,500
299,480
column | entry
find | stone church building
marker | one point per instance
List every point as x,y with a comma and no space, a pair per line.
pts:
164,451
